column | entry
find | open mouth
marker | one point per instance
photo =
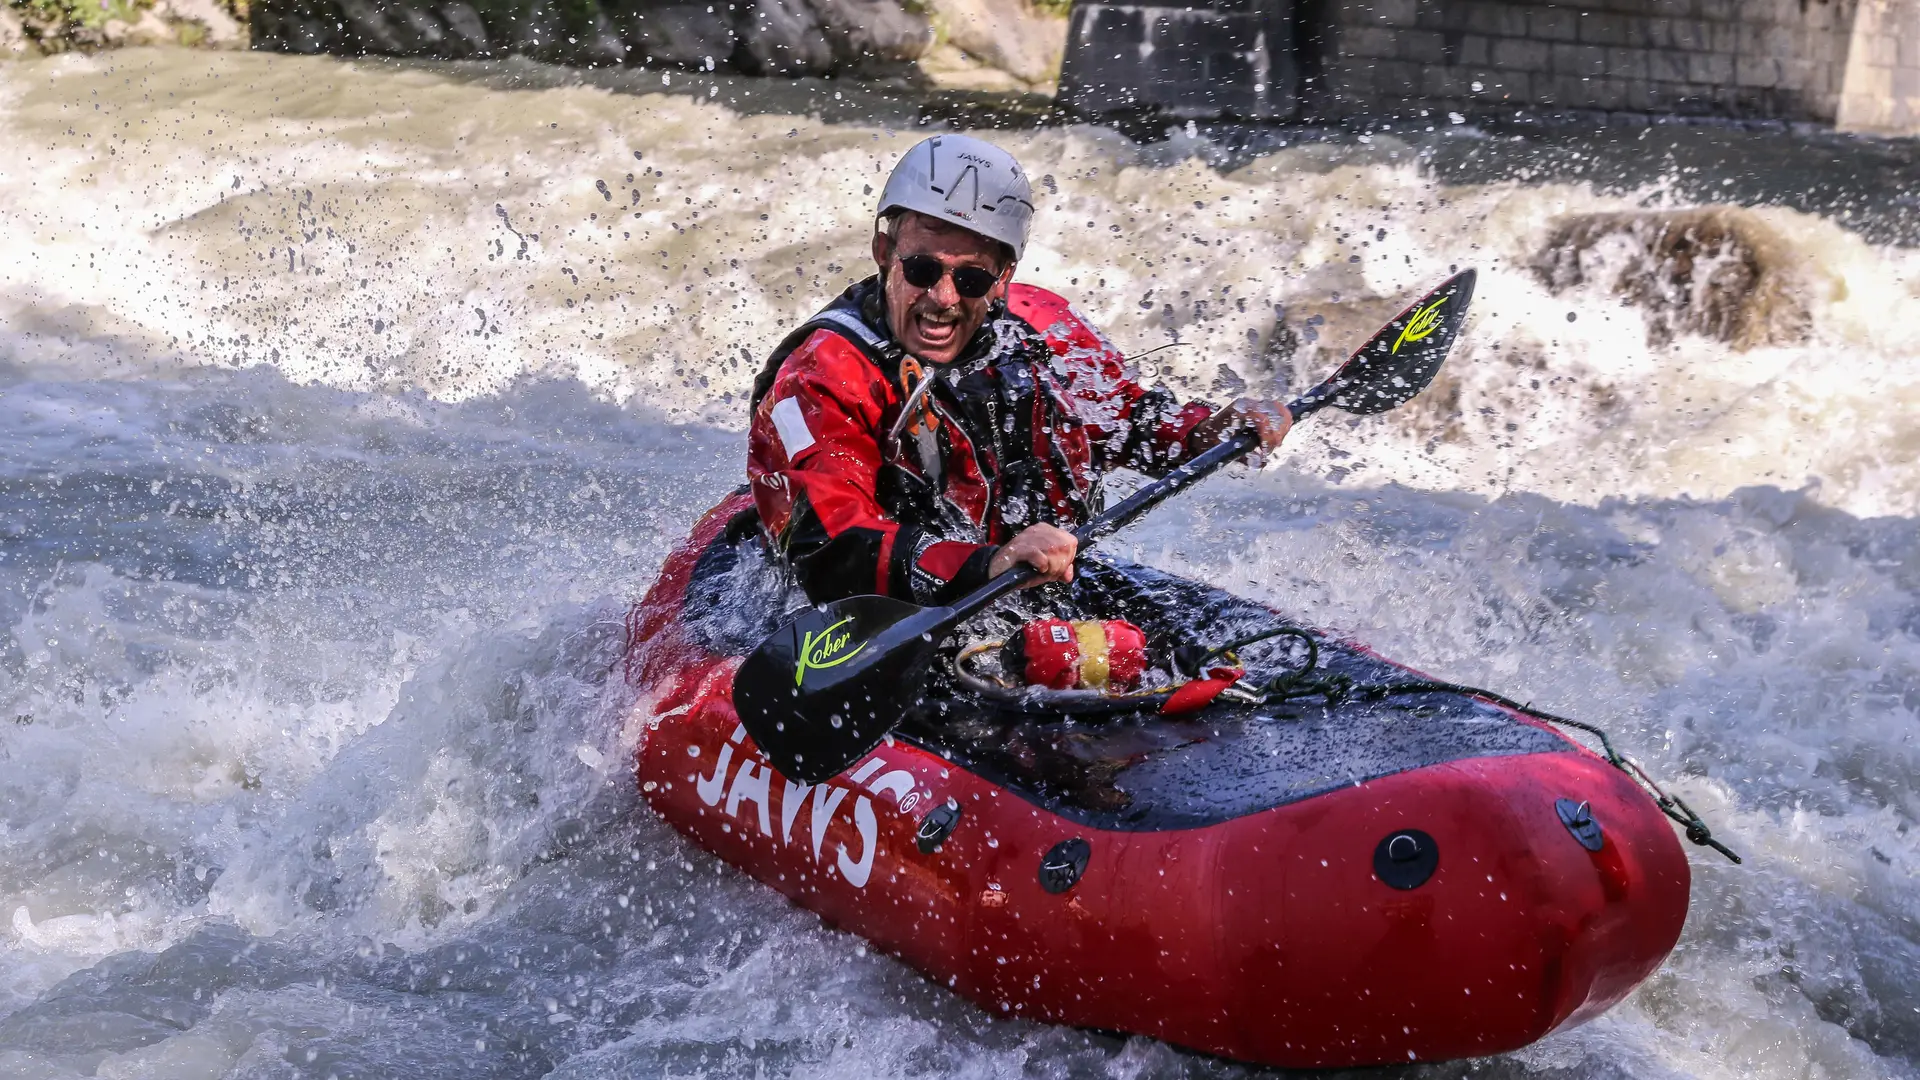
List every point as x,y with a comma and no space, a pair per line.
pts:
937,329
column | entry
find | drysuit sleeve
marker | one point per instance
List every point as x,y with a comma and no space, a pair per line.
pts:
1128,425
814,461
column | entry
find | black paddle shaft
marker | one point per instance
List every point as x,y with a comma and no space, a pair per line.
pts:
1112,520
824,689
1381,374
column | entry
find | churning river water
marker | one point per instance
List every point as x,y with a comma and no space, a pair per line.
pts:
345,406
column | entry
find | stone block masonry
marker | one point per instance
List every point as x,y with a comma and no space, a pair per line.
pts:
1234,57
1757,59
1851,63
1881,91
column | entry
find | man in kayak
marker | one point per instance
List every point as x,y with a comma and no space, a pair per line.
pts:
938,424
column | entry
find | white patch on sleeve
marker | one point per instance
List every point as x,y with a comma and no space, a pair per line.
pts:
792,426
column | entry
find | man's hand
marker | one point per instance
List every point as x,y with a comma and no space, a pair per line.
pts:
1269,419
1043,547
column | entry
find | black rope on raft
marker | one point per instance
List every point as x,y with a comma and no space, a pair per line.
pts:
1337,688
1671,805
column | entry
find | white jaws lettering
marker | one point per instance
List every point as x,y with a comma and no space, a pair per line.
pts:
857,872
792,798
825,801
750,784
899,781
711,787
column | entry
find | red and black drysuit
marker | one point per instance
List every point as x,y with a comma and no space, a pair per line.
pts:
861,499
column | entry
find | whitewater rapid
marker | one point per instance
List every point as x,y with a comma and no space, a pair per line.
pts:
344,407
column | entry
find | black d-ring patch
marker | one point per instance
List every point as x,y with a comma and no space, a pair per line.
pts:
1405,859
1062,865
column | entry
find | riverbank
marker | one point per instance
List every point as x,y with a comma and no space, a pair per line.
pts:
1005,47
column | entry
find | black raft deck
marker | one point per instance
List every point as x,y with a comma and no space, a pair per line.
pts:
1141,771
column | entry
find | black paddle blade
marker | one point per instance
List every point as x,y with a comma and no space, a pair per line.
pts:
828,686
1400,360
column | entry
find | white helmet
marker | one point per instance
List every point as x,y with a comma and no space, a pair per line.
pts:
966,180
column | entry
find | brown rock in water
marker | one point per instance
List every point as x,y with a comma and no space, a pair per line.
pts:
1721,273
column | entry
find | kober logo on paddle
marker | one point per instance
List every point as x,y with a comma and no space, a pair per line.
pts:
825,649
1424,323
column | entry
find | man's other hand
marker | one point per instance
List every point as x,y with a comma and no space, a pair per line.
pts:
1043,547
1268,419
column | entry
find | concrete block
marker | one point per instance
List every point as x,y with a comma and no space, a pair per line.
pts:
1718,10
1627,63
1500,86
1395,13
1474,50
1802,75
1582,60
1397,78
1688,34
1356,79
1641,97
1605,28
1713,69
1496,19
1434,15
1553,24
1723,37
1443,82
1515,54
1782,41
1485,18
1666,65
1693,99
1731,100
1572,92
1375,42
1421,46
1757,71
1608,93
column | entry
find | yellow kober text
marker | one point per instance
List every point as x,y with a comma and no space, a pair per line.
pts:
825,649
1423,323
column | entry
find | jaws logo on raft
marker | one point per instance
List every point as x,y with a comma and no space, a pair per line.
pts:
752,782
825,649
1423,324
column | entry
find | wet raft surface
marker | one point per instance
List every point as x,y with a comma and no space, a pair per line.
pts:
1143,771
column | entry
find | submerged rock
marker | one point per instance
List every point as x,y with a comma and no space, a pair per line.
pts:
1720,273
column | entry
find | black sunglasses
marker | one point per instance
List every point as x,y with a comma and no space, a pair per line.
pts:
925,271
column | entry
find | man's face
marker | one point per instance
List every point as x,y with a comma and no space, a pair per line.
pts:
935,323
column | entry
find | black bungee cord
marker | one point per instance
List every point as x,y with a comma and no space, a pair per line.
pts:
1337,688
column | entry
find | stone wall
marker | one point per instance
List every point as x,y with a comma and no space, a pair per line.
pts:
1851,62
1235,57
1776,59
1882,89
